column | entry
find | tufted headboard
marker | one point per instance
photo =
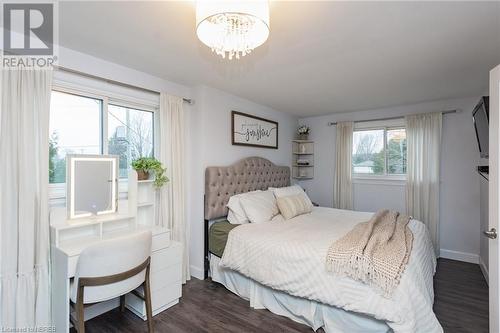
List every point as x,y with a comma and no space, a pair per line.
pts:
249,174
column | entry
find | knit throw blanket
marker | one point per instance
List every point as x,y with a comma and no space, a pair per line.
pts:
374,252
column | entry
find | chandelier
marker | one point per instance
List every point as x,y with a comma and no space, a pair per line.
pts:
232,28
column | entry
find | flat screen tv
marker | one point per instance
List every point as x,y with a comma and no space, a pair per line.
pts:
481,116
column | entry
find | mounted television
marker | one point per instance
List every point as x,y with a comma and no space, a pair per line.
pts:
481,116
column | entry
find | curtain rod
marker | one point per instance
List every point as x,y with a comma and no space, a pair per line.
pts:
391,118
118,83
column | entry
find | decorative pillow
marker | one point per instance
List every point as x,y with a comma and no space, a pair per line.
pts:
260,207
290,190
236,213
294,205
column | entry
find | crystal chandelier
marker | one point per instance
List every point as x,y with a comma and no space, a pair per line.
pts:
232,28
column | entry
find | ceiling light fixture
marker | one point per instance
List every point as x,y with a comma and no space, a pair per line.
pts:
232,28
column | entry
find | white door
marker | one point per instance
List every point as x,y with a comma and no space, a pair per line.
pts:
494,197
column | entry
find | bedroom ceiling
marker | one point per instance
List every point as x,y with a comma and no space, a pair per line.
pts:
321,57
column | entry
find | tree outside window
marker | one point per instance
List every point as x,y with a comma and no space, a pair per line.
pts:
379,152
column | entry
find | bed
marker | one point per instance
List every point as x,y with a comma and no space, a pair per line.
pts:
280,266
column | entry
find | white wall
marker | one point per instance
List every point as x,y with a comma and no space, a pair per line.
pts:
211,146
85,63
459,207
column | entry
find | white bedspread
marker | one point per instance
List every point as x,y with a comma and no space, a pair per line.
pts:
290,257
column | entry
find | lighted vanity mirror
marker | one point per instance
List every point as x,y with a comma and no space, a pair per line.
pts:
91,185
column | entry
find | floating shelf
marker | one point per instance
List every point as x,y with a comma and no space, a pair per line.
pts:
145,204
303,141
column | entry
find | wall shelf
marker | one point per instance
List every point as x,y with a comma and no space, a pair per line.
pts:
302,151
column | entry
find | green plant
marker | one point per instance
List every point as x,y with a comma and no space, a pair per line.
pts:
152,164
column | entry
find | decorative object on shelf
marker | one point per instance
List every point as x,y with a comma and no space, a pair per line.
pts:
232,28
302,162
248,130
303,132
144,165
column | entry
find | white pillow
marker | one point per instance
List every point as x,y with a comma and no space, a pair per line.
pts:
233,218
290,190
260,207
236,214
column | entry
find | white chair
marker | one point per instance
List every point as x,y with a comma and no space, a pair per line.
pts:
111,269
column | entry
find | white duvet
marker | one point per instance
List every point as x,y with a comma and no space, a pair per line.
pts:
290,256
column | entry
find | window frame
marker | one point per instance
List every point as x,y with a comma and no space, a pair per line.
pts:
390,179
57,191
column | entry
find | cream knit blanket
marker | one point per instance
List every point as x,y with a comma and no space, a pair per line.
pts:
374,252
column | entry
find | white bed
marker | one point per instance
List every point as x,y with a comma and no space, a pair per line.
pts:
280,265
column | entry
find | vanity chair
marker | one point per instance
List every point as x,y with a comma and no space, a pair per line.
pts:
111,269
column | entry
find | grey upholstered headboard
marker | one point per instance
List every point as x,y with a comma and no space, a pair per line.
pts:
249,174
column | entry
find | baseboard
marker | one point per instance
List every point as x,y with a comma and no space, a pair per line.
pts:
197,272
460,256
484,269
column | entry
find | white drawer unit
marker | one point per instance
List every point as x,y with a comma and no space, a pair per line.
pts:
165,278
161,241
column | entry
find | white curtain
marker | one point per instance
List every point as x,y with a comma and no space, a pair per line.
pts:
24,176
423,135
172,155
342,194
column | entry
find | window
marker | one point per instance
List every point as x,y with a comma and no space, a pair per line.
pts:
130,135
75,128
379,151
82,123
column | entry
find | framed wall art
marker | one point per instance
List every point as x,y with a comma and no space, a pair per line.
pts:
248,130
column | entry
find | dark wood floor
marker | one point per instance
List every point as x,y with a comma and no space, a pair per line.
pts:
461,305
461,297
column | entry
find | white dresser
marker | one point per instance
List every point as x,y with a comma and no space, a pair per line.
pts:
70,237
165,278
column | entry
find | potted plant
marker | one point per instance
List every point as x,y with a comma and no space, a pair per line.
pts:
145,165
303,132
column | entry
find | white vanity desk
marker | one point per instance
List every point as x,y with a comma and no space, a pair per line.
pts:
70,237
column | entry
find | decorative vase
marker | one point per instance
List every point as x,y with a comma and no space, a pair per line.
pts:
142,175
303,136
